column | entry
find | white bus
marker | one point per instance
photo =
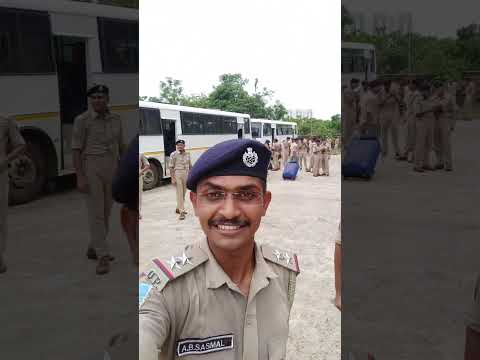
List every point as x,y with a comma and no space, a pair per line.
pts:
51,51
358,61
264,129
162,124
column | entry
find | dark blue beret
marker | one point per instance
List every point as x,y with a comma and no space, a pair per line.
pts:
180,142
242,157
98,89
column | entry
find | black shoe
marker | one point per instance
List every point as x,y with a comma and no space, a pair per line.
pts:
439,166
3,266
92,254
177,211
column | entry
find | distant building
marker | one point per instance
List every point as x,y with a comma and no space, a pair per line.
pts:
300,113
382,22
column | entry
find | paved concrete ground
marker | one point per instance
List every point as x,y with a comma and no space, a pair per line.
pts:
411,253
303,217
53,305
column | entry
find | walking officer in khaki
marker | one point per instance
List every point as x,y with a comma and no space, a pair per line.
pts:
227,296
276,153
443,127
12,145
180,165
97,144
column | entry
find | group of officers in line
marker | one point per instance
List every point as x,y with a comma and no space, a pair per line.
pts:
428,108
312,155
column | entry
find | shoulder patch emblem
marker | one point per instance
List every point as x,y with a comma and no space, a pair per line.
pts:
281,257
159,272
143,292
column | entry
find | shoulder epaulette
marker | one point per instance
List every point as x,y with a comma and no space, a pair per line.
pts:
160,272
281,257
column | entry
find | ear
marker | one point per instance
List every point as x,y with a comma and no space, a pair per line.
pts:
193,199
267,198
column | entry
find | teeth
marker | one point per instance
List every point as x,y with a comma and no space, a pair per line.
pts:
228,227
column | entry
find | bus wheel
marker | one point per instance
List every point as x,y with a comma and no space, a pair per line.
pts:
151,177
28,174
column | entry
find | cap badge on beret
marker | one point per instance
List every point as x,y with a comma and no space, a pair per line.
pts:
250,157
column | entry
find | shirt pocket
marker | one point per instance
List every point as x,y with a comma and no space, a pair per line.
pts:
277,350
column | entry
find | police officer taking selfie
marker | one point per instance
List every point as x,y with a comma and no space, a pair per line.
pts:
227,296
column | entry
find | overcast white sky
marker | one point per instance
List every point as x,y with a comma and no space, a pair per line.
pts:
439,18
291,46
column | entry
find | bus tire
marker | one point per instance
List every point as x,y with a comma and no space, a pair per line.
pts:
28,174
151,177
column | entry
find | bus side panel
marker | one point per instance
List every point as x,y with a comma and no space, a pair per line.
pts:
152,146
39,94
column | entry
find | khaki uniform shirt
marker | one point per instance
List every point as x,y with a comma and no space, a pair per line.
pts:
180,161
371,109
200,311
277,147
10,136
96,135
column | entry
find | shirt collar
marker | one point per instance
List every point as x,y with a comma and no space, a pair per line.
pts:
97,115
215,276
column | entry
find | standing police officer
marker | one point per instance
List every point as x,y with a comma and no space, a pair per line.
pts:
180,165
12,145
97,144
226,297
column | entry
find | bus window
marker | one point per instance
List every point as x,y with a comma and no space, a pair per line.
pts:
229,125
256,130
192,123
119,45
25,42
150,122
267,130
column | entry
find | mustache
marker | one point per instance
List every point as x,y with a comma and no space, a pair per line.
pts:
228,222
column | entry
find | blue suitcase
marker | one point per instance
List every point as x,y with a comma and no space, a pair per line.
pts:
291,170
361,157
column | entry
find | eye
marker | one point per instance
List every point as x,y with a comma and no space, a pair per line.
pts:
215,195
246,195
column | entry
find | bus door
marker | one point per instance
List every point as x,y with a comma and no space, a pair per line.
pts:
169,138
70,55
240,130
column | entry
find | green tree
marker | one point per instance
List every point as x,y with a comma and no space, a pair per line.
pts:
171,91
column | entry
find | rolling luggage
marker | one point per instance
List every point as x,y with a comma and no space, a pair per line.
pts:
291,170
361,157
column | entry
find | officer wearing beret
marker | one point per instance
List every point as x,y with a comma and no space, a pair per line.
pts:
226,297
97,144
12,145
180,165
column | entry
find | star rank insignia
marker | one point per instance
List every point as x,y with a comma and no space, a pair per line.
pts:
174,263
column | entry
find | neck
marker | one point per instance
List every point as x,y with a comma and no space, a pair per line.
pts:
238,264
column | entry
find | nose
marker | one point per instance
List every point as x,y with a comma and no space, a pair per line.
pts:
229,208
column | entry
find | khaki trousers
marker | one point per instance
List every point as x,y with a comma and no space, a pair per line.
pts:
284,158
303,161
411,135
442,141
316,158
99,171
181,187
325,163
4,180
276,160
423,141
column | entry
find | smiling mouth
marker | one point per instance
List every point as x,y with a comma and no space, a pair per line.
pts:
226,227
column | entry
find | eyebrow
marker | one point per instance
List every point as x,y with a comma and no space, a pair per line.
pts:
211,185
